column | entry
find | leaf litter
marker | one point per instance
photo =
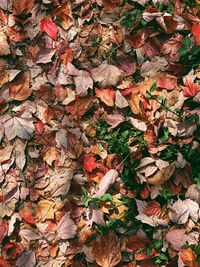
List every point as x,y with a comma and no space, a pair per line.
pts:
99,132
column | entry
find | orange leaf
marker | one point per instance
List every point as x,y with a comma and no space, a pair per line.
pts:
3,229
79,107
196,33
106,250
26,213
107,96
135,243
191,89
188,257
19,89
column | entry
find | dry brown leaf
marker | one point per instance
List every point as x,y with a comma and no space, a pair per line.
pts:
20,88
4,46
22,7
45,210
5,153
162,176
106,250
134,103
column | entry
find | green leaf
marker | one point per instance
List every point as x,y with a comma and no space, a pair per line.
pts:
153,88
163,256
108,197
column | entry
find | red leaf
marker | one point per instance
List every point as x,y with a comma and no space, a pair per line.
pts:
39,127
152,208
89,163
47,25
106,95
196,33
191,89
135,243
3,229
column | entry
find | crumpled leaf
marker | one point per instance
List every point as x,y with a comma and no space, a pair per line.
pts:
162,175
177,238
20,89
47,25
138,124
114,120
106,250
20,157
105,183
106,75
188,257
66,227
95,216
142,216
19,126
4,46
179,212
26,259
150,68
83,82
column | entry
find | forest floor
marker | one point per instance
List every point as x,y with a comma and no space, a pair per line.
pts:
99,132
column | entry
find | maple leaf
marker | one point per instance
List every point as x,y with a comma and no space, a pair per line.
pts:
191,89
106,75
106,250
89,163
196,33
4,46
20,88
22,7
107,96
47,25
19,126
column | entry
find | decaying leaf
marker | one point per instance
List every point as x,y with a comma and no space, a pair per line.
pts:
106,250
45,210
106,75
4,46
162,175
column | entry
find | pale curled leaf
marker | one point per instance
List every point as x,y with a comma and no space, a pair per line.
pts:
5,153
120,100
83,82
162,175
107,181
193,193
4,46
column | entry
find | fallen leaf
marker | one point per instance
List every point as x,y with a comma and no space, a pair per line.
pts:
83,82
3,229
22,7
193,208
138,124
51,155
5,153
162,175
137,242
141,205
107,181
190,89
120,100
47,25
179,212
188,257
107,96
26,213
45,210
18,126
196,33
79,107
89,163
177,238
20,157
20,89
114,120
152,208
167,81
4,46
106,75
193,192
66,227
26,259
106,250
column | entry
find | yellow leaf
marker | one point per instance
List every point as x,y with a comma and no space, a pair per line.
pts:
45,210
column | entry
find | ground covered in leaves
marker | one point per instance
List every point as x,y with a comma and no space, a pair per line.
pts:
99,132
